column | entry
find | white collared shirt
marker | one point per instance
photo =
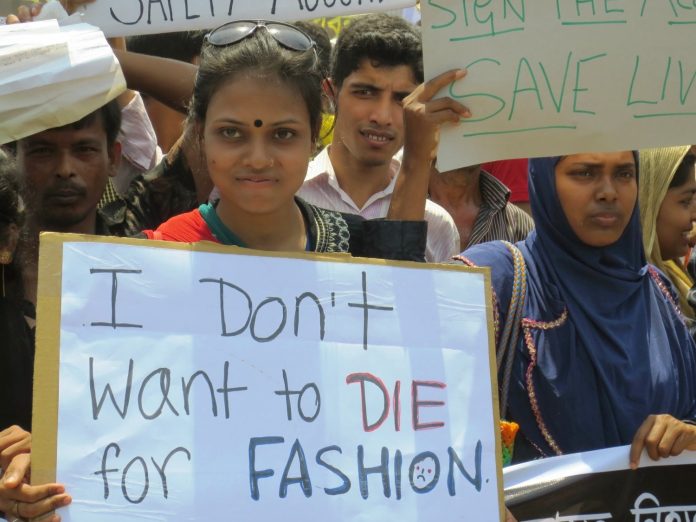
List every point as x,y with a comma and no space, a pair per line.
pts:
138,144
321,188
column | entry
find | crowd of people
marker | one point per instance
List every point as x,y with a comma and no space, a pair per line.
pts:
593,293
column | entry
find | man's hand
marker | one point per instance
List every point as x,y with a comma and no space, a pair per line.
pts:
423,116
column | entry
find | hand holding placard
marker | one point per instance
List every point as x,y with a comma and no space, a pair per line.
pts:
423,117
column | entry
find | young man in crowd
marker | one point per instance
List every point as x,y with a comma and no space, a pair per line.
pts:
376,63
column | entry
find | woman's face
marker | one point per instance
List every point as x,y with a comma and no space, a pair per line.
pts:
598,193
675,219
257,142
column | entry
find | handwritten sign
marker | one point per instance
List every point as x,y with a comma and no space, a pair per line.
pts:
598,486
130,17
211,383
550,77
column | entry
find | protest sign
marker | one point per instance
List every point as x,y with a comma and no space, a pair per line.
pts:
130,17
599,486
201,382
551,77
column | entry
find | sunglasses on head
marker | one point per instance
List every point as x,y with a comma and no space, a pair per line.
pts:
286,35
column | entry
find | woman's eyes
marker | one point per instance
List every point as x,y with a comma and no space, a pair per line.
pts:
230,132
589,173
281,134
285,134
581,173
626,174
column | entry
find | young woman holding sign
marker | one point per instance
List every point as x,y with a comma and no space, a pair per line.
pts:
257,110
593,350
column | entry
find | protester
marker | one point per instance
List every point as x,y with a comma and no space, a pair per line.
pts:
257,102
667,213
376,62
17,347
64,172
594,354
479,205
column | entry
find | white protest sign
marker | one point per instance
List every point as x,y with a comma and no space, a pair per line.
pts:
201,385
130,17
549,77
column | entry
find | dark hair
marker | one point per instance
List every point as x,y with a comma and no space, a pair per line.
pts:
11,213
684,170
260,55
10,203
183,46
382,38
321,38
111,121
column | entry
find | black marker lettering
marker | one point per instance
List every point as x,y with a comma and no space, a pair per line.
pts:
322,315
454,459
114,291
343,488
164,382
366,308
225,390
149,10
162,470
303,480
97,406
140,15
382,469
254,474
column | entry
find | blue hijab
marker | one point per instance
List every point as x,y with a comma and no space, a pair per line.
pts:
622,354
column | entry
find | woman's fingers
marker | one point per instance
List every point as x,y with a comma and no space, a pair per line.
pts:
13,441
661,436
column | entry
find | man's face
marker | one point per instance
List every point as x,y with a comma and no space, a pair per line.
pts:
369,112
65,171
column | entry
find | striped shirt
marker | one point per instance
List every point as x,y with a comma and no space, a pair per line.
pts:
321,188
497,219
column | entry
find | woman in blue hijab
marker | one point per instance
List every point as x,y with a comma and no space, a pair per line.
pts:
600,347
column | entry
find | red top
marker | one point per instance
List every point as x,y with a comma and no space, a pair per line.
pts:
184,228
513,173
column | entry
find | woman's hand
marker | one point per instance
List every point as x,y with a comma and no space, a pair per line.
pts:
20,500
662,436
13,441
27,14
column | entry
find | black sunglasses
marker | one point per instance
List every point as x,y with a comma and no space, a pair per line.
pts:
286,35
